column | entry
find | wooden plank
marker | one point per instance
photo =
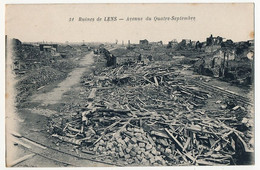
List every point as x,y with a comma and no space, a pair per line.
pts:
113,110
105,130
148,80
193,95
186,144
189,156
150,139
92,94
174,139
17,161
67,139
183,156
36,144
121,129
199,129
74,129
16,134
156,81
21,143
40,87
204,162
160,134
88,152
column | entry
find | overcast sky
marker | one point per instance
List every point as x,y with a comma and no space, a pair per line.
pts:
51,22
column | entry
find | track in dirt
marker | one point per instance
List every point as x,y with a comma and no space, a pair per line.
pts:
73,78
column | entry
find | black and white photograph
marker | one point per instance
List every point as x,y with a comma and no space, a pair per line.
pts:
130,85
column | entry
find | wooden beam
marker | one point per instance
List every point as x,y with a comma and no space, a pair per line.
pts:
17,161
174,139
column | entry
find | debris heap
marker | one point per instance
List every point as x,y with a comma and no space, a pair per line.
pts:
36,79
151,115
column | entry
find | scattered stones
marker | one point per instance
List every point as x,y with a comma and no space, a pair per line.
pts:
169,124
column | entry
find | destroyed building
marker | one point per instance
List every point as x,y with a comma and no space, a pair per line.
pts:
144,42
186,42
129,58
212,48
49,48
110,58
224,60
214,40
66,51
172,44
159,43
16,41
193,44
125,56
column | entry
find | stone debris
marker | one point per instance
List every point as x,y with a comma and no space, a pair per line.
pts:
153,115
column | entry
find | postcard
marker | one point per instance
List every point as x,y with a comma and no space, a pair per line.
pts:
108,85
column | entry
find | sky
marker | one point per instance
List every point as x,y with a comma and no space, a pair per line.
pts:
32,23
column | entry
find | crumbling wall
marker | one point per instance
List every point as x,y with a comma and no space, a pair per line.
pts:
227,65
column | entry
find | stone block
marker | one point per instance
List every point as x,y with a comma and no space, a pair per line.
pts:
154,151
127,150
141,145
127,156
132,153
139,157
148,146
133,140
121,154
126,139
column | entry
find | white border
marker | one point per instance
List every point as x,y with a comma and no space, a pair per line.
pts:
2,72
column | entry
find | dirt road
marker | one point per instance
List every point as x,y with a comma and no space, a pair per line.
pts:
55,95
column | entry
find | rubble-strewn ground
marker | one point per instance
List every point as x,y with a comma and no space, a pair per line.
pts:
36,69
157,112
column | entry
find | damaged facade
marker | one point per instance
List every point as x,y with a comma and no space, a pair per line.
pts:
144,42
227,60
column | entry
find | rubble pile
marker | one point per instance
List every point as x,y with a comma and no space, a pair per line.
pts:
26,51
36,79
63,65
35,69
151,115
